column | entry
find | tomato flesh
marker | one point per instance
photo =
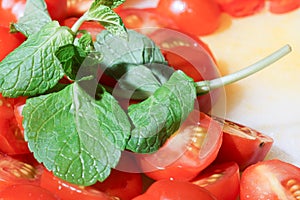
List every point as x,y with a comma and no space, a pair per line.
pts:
187,152
167,189
283,6
271,179
217,177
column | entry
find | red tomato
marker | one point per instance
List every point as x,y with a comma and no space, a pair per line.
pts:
11,136
191,149
26,192
145,20
217,177
120,184
68,191
168,189
271,179
188,53
12,10
9,41
283,6
199,17
14,172
242,144
241,8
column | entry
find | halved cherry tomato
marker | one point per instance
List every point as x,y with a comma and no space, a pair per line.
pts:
123,185
11,136
199,17
188,53
9,41
242,144
283,6
14,172
241,8
217,177
26,192
171,189
271,179
191,149
12,10
68,191
145,20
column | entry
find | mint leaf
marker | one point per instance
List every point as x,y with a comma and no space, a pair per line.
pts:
109,3
77,137
35,17
33,68
159,116
137,62
107,17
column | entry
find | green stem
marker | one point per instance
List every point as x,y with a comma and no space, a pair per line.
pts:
206,86
78,23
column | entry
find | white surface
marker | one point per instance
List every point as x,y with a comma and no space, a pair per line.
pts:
268,101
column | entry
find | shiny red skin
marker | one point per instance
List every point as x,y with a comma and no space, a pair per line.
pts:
283,6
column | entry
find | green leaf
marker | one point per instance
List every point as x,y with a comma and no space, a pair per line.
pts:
107,17
35,17
33,68
77,137
137,62
71,58
159,116
109,3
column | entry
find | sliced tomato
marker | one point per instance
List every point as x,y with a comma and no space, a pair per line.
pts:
191,149
217,177
123,185
283,6
168,189
9,41
11,11
194,17
242,144
68,191
241,8
191,55
271,179
145,20
26,192
14,172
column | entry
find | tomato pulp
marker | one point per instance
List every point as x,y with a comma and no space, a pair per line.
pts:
191,149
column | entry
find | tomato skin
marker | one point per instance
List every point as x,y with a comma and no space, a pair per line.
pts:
171,189
200,17
270,179
241,8
123,185
9,41
283,6
13,171
181,158
68,191
242,144
219,176
26,192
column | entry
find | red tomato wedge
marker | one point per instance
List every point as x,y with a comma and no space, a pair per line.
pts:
14,172
68,191
175,190
26,192
123,185
217,177
242,144
271,179
199,17
283,6
191,149
241,8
